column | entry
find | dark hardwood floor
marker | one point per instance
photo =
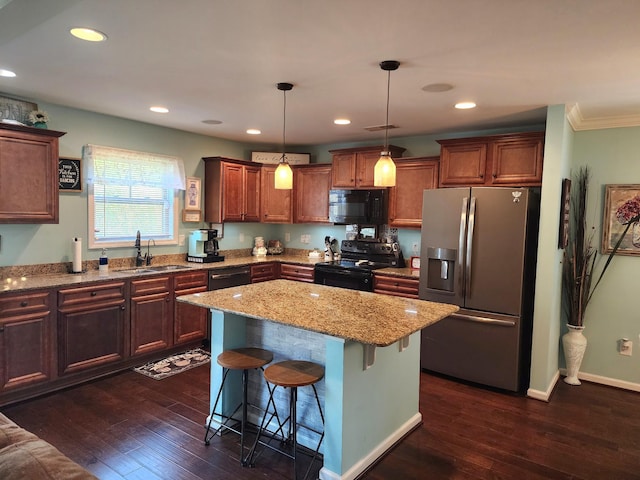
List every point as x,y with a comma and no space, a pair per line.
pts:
129,426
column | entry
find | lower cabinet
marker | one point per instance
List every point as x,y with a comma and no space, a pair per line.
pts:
27,340
92,323
189,321
265,271
392,285
300,273
151,314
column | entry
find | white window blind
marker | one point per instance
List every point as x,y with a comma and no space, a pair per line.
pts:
131,191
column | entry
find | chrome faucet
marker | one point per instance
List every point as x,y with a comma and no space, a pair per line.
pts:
139,259
147,256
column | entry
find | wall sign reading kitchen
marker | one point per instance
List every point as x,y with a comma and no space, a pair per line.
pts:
70,174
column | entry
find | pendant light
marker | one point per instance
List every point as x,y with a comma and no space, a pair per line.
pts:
384,173
284,174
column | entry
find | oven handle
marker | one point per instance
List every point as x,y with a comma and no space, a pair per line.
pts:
346,273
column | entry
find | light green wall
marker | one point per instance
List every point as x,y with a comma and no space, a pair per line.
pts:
613,158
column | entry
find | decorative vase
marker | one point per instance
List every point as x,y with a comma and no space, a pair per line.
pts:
40,125
574,344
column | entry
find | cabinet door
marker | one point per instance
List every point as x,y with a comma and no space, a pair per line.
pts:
275,204
463,164
233,192
517,161
251,194
151,314
365,167
27,341
190,322
405,199
300,273
398,286
311,190
344,170
264,272
28,176
91,336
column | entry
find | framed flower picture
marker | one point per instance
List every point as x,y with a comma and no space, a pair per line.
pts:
621,206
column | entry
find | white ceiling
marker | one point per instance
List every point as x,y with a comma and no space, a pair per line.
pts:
221,60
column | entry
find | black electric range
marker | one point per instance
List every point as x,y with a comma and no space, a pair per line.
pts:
358,260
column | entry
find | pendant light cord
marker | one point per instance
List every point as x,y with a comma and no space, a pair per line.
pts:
386,124
284,126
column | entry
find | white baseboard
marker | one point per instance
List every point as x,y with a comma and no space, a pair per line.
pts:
612,382
544,395
375,454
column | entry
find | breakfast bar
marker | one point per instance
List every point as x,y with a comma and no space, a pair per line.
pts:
370,346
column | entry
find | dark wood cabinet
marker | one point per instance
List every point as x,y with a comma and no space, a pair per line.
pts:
151,314
311,185
27,340
92,326
398,286
189,321
275,205
28,174
265,271
231,190
413,176
300,273
354,167
508,160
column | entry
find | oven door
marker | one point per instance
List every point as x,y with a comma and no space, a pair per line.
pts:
344,277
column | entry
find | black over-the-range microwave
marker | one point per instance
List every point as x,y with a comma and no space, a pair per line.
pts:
365,207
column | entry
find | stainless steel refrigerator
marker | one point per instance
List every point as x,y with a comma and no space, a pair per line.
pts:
478,251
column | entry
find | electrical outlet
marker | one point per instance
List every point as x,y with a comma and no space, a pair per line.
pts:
241,239
287,237
415,248
625,347
180,240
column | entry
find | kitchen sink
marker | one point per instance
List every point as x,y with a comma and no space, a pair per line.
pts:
164,268
136,270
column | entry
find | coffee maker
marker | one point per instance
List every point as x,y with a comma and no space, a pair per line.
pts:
203,246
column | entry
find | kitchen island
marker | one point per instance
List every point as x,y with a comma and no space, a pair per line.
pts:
371,353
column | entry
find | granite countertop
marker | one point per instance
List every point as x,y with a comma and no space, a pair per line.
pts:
363,317
56,280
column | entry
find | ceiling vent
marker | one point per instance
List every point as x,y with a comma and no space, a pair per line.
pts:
378,128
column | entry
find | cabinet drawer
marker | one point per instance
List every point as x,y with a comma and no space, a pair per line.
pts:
151,285
402,287
91,293
24,303
264,272
296,272
190,280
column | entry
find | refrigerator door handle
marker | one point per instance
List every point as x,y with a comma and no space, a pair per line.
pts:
472,220
463,231
490,321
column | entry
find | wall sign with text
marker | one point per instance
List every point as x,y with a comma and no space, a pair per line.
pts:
70,174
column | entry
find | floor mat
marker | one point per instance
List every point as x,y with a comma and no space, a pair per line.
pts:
174,364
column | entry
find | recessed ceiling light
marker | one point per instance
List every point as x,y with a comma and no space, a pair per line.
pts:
342,121
465,105
7,73
159,109
437,87
88,34
253,131
212,122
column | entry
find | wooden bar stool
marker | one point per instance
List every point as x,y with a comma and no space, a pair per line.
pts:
289,374
244,359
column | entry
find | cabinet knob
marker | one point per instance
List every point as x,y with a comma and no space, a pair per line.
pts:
167,299
93,294
24,303
1,328
122,307
495,176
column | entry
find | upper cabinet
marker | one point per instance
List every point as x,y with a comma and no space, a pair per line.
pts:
28,174
413,176
275,205
311,185
231,190
353,167
504,160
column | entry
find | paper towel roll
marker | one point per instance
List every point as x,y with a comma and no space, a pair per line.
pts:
77,254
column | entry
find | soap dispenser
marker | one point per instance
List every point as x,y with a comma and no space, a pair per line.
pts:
103,266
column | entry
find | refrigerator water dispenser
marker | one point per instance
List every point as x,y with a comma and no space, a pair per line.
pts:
441,264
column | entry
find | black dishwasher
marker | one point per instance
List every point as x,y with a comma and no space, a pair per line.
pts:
224,278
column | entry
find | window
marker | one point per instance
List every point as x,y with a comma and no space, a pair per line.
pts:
129,192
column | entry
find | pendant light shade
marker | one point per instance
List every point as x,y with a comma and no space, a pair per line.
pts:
284,174
384,174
